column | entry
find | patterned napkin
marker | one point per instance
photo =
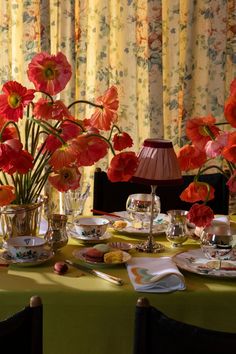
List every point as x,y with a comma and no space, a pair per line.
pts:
155,275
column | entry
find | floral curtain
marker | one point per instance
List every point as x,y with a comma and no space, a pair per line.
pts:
170,59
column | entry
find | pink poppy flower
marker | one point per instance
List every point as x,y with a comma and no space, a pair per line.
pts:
214,148
46,110
232,183
201,215
102,118
49,73
122,167
122,141
65,179
7,195
195,130
14,99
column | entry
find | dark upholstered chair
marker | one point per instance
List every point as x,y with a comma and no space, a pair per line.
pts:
109,196
155,333
23,331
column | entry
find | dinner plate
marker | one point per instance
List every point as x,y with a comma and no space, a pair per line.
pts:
101,239
79,254
194,261
44,257
160,225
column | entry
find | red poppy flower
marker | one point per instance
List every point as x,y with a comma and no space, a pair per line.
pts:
70,130
229,152
197,191
122,167
7,195
49,73
190,157
52,143
64,156
14,99
46,110
89,149
122,141
9,150
232,183
103,117
201,215
195,130
230,110
9,132
65,179
22,163
233,87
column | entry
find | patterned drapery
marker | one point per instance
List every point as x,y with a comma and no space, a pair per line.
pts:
170,59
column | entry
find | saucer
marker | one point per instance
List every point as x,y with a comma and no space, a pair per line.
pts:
44,257
101,239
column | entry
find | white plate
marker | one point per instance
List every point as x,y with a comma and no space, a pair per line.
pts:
195,262
123,246
44,257
159,226
102,239
79,254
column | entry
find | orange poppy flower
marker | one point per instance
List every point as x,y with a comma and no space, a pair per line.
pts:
229,152
122,167
14,99
49,73
201,215
190,157
196,133
197,191
230,110
64,156
103,117
65,179
7,195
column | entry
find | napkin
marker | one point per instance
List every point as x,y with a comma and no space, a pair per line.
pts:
155,275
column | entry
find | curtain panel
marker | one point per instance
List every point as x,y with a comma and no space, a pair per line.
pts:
170,59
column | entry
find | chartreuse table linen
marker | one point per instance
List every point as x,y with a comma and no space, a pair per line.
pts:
87,315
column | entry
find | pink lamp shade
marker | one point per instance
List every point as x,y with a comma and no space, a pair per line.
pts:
158,164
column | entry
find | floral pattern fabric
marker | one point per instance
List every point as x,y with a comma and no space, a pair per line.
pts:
170,59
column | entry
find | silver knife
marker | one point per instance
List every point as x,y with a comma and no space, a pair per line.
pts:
110,278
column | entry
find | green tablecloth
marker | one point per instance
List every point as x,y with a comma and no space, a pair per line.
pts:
87,315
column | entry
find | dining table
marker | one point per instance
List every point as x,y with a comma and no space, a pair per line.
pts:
84,314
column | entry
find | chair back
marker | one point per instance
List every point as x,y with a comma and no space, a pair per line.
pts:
23,331
111,196
156,333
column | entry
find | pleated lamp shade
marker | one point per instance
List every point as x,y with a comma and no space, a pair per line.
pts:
158,164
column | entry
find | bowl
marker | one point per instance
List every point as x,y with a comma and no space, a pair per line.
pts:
90,228
25,247
218,241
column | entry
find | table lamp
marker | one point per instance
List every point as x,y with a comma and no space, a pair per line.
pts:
158,166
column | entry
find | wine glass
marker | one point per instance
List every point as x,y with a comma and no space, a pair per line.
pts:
218,241
138,207
74,201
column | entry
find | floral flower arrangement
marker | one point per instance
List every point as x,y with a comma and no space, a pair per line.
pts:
53,144
208,142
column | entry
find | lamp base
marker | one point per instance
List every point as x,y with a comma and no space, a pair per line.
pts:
154,247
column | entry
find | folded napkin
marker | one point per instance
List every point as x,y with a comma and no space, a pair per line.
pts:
155,275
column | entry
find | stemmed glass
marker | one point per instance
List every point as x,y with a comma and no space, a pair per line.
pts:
138,207
74,201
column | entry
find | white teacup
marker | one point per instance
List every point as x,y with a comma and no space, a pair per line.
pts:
91,227
25,247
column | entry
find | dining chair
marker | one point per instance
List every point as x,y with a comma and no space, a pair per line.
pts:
111,196
156,333
23,331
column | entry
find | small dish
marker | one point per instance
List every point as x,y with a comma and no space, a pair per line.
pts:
79,254
102,239
43,257
123,246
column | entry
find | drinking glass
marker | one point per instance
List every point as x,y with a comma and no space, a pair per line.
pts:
138,207
177,232
74,201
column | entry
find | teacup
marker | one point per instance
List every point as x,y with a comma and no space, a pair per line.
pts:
91,227
25,247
